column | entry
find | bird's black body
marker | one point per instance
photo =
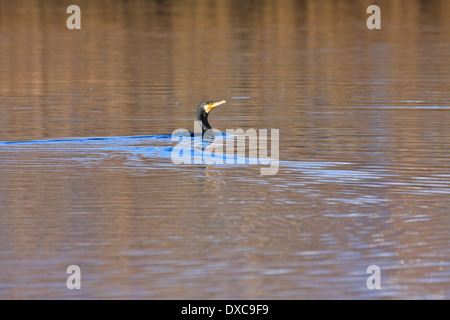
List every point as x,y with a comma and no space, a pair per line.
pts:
202,116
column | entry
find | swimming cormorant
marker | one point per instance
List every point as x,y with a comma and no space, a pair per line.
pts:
203,111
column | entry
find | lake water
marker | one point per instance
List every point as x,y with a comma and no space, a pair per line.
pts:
86,176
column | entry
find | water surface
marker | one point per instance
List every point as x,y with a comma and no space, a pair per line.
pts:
87,179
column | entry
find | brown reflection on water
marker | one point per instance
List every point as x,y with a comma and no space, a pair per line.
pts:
363,118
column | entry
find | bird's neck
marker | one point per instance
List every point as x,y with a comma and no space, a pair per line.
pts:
204,121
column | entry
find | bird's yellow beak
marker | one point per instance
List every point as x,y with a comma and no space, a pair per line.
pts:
215,104
212,105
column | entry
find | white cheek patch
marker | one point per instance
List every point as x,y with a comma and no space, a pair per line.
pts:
208,108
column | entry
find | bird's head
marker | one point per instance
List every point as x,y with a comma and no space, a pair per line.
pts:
203,111
206,107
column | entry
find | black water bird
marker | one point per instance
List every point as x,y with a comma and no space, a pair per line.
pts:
203,111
